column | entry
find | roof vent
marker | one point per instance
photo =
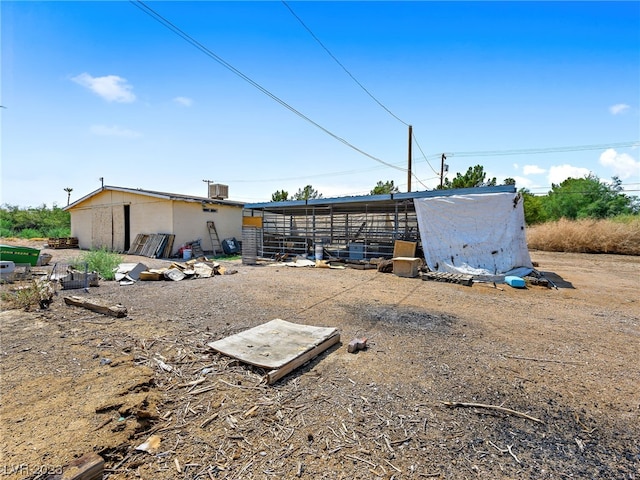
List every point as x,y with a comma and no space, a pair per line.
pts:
217,190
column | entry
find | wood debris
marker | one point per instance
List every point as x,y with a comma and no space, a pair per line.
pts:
112,310
493,407
90,466
460,278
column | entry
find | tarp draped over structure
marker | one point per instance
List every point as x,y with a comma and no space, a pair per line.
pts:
476,234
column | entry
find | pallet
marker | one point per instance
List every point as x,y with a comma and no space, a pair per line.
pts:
154,245
459,278
63,242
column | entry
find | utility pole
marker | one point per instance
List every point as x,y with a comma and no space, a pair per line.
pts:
442,165
409,160
208,182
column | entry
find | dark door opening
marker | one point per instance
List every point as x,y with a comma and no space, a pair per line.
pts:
127,228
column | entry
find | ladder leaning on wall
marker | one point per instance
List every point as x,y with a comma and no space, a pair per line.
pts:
213,235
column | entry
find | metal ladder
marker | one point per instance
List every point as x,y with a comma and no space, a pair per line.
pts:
213,235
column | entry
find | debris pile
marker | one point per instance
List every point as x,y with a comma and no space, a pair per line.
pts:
130,273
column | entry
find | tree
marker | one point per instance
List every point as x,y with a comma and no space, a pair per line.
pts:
475,177
533,207
307,193
509,181
587,197
68,190
386,187
280,196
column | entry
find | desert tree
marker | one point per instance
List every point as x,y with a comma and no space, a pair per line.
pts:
68,190
384,187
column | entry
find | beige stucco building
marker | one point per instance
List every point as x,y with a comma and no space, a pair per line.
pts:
112,217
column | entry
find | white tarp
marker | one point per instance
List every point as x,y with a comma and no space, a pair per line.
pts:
476,234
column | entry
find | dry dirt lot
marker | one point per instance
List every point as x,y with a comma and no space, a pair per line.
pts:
565,361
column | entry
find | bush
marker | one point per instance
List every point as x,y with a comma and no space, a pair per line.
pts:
58,232
620,235
101,261
38,292
30,233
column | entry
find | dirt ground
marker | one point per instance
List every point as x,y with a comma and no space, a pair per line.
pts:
564,361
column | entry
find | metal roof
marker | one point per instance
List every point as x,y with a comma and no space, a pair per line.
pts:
153,193
369,203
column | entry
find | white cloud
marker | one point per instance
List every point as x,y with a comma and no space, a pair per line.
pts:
523,182
114,131
183,101
532,170
110,87
559,173
618,108
622,164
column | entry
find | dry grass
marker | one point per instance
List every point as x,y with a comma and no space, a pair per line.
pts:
587,236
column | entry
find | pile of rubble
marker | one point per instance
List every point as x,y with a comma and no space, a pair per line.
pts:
130,273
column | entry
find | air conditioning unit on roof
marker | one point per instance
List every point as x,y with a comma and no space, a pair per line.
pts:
217,190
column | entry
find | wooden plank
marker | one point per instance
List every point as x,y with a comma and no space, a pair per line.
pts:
275,375
90,466
255,222
152,245
169,246
114,310
157,253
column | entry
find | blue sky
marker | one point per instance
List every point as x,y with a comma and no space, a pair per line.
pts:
538,91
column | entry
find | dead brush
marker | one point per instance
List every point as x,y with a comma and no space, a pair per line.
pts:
587,236
38,292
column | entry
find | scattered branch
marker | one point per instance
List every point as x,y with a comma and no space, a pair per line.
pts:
493,407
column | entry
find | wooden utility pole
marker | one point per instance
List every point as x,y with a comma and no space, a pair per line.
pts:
444,157
208,182
409,160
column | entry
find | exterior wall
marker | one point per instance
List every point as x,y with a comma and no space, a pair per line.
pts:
81,226
99,221
190,223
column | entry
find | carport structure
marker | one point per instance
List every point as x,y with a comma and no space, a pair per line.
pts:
354,228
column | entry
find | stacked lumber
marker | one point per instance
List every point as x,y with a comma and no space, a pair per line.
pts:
155,245
63,242
460,278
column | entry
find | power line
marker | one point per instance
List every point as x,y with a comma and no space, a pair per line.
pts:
533,151
357,83
424,156
341,65
166,23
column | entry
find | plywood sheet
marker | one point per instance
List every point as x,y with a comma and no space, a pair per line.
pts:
275,344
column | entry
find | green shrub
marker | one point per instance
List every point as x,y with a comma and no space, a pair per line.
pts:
101,261
30,233
627,219
58,232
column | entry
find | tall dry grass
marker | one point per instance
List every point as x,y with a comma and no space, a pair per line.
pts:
618,236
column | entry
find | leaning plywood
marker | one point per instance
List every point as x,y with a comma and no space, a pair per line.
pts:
278,346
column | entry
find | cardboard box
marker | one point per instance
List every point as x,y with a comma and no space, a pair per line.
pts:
404,249
406,266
